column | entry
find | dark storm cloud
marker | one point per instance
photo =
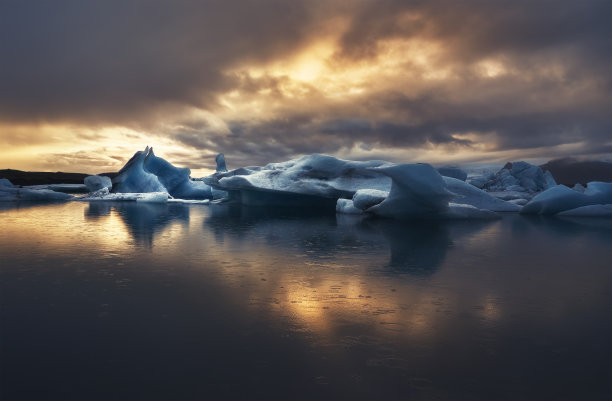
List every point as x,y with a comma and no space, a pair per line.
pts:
130,62
116,61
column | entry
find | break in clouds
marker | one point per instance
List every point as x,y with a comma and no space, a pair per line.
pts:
267,80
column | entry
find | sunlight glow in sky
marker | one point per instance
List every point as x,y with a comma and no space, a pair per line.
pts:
440,82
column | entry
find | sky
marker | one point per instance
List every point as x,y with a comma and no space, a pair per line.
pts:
85,84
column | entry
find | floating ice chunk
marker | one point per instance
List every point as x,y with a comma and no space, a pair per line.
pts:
96,182
220,159
4,182
561,198
69,188
154,197
346,206
103,194
190,201
516,176
549,179
300,181
365,198
417,190
25,194
589,211
145,172
454,172
458,211
470,195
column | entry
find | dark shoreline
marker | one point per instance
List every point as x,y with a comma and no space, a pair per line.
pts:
19,177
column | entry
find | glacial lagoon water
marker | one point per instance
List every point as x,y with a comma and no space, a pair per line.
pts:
144,301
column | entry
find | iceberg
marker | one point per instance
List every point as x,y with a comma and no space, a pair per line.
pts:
145,172
561,198
417,190
354,187
96,182
4,182
68,188
220,160
313,181
346,206
104,194
365,198
516,176
453,172
10,192
465,193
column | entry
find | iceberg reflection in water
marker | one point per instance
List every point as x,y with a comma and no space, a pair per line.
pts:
126,300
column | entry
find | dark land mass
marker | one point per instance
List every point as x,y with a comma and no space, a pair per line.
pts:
19,177
569,171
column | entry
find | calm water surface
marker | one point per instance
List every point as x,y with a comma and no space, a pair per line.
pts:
136,301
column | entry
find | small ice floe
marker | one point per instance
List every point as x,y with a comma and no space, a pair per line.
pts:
561,198
97,182
10,192
104,195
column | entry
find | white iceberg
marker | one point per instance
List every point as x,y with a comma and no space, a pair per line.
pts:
315,180
4,182
351,186
9,192
104,195
453,172
346,206
465,193
97,182
516,176
145,172
561,198
365,198
417,190
68,188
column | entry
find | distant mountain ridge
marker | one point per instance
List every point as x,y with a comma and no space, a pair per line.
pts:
569,171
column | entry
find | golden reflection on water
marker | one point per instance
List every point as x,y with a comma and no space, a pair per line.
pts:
320,275
56,227
281,272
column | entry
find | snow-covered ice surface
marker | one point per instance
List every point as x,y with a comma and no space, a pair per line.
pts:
145,172
561,198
